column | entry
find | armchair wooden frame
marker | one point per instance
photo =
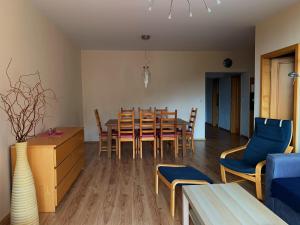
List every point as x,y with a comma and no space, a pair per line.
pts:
126,131
254,177
172,186
103,136
147,130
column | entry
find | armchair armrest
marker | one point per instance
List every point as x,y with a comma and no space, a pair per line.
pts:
281,166
233,150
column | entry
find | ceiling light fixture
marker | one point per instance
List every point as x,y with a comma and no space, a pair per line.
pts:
146,70
189,5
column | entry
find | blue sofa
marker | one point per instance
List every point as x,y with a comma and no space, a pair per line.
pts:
283,186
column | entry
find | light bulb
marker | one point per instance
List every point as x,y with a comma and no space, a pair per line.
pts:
149,8
219,2
209,10
191,14
170,16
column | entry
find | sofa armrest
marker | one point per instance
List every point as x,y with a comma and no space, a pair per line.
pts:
281,166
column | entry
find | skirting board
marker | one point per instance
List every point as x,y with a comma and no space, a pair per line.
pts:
5,220
200,139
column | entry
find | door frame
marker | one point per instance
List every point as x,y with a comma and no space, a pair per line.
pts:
215,103
235,117
265,84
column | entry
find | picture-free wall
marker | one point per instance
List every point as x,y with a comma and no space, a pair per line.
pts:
113,79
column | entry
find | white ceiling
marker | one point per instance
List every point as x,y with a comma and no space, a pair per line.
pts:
118,24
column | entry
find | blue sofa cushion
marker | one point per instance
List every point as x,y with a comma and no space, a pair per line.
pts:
182,173
238,165
271,137
287,190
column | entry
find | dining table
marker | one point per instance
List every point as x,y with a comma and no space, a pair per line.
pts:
112,124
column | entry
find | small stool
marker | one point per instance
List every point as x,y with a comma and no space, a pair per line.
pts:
178,175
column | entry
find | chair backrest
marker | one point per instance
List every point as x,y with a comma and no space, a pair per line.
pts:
270,136
192,121
145,110
127,110
168,123
158,113
147,123
126,124
98,121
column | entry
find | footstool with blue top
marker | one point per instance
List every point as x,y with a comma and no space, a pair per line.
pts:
178,175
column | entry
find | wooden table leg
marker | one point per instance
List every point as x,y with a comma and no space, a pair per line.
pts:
109,140
185,210
183,139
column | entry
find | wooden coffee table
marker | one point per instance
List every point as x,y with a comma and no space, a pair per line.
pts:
225,204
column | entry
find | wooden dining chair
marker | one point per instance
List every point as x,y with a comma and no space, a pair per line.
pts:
190,143
147,130
103,136
158,113
168,130
145,109
126,131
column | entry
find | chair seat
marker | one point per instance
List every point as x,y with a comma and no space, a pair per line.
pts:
182,173
105,133
237,165
287,190
168,135
148,136
126,136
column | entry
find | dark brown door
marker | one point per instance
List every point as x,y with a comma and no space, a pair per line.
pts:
235,104
215,103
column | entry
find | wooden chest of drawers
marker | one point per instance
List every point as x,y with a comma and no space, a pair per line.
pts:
55,162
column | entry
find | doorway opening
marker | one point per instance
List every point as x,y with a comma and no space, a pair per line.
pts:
228,102
279,92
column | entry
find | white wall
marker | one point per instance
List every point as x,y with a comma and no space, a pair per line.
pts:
36,44
276,32
112,79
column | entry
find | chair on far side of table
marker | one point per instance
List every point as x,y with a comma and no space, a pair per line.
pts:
103,136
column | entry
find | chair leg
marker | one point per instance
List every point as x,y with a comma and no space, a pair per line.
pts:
176,147
193,144
258,187
172,202
156,182
100,147
141,148
133,149
119,149
223,174
161,149
154,148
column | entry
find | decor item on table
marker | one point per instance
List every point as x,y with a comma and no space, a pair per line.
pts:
24,104
146,70
150,6
270,136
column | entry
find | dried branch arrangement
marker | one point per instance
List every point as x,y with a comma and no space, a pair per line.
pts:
25,104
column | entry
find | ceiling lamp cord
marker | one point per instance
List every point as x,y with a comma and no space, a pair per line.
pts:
189,4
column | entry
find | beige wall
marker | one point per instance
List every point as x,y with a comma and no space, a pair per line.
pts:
35,44
112,79
278,31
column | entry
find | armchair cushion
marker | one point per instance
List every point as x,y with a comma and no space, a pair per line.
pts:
238,165
288,191
270,136
182,173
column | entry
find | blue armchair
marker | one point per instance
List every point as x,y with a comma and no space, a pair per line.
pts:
282,186
270,136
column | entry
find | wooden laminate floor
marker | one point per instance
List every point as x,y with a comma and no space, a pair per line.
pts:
122,192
